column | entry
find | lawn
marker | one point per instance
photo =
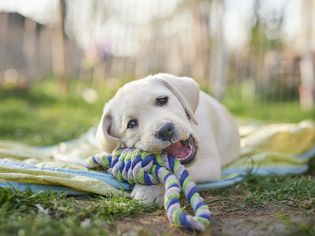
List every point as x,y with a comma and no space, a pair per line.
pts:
41,116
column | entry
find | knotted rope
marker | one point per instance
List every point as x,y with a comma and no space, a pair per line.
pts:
138,167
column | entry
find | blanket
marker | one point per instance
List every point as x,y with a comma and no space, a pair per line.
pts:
265,149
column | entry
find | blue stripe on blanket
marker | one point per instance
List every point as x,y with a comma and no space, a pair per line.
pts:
40,187
308,154
266,170
109,179
103,176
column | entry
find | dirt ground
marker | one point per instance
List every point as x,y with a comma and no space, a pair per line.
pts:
259,223
231,218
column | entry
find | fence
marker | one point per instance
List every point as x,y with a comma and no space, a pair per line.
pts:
100,40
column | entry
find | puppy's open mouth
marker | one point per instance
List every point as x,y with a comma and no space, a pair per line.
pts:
184,150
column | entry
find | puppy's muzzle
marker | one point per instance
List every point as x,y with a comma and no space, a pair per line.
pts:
183,150
166,132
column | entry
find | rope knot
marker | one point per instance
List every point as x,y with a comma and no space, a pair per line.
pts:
138,167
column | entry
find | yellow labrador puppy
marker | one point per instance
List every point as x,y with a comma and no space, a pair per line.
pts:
166,113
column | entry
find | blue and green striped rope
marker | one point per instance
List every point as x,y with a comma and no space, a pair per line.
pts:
139,167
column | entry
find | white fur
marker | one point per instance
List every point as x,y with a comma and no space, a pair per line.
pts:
209,123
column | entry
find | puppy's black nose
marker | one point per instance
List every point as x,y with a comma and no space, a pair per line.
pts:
166,132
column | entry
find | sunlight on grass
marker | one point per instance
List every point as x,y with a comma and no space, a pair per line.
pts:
257,193
50,213
265,109
41,116
293,191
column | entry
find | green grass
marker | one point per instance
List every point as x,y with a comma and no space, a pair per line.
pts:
30,213
27,213
293,191
40,116
262,193
261,108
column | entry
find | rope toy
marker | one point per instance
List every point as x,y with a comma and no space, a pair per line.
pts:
139,167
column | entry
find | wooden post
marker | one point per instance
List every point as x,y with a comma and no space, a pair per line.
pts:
29,48
218,53
307,88
3,42
57,46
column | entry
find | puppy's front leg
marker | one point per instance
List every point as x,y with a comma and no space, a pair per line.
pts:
149,195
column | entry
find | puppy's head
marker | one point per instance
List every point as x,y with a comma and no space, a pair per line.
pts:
153,114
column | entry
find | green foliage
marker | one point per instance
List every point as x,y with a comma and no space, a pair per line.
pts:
265,32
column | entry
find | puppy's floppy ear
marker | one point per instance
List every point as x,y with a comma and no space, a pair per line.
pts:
185,89
106,136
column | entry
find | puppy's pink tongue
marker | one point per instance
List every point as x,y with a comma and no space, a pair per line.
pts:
175,147
178,150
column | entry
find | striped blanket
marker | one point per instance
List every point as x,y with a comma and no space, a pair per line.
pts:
266,149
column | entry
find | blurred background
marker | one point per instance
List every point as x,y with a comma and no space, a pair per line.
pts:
65,58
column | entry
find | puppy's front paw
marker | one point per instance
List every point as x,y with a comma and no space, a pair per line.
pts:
148,195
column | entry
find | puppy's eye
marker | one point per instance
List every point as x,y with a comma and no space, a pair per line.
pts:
132,124
161,101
